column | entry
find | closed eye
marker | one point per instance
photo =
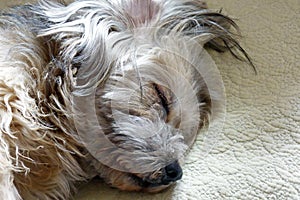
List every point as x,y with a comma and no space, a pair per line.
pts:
162,97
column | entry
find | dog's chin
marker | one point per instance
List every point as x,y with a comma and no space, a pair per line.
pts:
150,187
140,185
156,189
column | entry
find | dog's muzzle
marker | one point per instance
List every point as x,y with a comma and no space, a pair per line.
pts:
170,174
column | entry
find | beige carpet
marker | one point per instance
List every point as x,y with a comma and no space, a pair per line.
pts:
257,154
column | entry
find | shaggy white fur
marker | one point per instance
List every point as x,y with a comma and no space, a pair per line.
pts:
118,89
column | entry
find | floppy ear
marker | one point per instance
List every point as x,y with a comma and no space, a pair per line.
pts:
214,29
81,30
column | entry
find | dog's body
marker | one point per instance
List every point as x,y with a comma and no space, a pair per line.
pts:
139,59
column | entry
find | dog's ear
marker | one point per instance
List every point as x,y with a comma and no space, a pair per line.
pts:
212,28
81,30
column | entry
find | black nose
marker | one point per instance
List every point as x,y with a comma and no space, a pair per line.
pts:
173,172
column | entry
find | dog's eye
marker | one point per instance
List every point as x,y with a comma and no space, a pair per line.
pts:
163,100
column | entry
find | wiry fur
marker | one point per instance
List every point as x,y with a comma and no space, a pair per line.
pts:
51,52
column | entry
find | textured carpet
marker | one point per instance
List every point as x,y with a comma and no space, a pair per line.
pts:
257,153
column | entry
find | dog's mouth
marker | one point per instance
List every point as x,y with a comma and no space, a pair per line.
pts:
150,187
170,174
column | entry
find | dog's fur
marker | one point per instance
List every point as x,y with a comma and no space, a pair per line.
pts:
138,59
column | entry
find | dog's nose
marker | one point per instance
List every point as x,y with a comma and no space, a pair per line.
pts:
173,172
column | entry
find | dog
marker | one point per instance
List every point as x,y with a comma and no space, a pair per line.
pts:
117,89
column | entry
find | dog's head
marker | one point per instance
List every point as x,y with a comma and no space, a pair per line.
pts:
151,107
142,81
149,110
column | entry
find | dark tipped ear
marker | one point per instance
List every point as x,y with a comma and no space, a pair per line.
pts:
224,35
212,28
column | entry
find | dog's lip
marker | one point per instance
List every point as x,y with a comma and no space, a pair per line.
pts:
147,184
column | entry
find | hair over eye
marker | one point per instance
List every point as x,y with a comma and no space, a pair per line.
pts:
163,99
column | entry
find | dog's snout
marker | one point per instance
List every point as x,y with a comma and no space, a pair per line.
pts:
173,172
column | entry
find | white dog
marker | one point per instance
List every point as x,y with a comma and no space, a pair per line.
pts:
114,88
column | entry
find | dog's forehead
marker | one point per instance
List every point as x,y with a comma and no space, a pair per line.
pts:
142,11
